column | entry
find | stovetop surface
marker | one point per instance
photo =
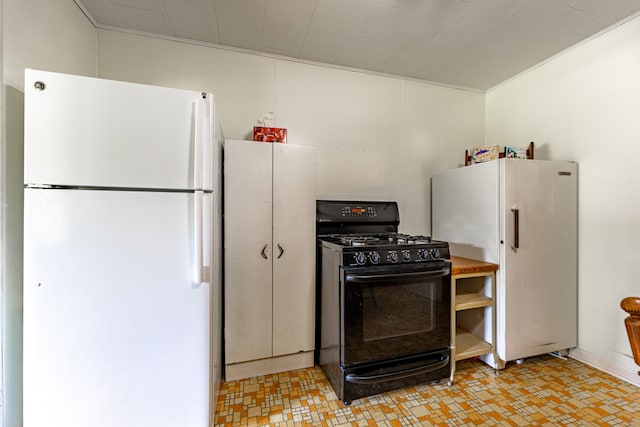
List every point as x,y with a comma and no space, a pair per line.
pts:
379,239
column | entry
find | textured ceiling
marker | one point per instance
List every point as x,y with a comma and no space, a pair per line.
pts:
469,43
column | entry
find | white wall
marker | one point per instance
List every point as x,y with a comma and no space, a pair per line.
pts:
45,34
1,230
377,137
584,106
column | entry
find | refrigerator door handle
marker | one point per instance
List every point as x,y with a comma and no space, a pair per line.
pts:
198,230
209,142
516,229
203,143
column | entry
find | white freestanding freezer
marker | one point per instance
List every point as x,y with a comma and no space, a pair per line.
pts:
121,254
522,215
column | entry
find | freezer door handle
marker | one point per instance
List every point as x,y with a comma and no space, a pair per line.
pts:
198,144
203,143
516,229
263,252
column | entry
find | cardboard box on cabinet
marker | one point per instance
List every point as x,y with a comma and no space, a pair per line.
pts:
268,134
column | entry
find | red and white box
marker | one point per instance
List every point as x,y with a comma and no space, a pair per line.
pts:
266,134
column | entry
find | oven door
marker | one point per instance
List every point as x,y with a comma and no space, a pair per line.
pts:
392,312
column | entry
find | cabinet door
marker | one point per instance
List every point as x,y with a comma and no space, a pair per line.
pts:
294,194
248,250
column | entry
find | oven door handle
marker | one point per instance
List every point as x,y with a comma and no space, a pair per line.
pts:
361,278
406,373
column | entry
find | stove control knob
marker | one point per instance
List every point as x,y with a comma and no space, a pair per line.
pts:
360,258
393,256
374,257
423,254
435,253
406,256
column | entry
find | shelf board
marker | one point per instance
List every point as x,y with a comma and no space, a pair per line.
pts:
469,346
468,301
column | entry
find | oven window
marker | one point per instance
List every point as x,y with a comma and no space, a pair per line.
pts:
391,311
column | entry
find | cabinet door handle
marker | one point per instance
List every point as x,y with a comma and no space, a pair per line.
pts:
281,251
263,252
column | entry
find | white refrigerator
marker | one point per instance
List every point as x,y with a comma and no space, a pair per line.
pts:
522,215
122,254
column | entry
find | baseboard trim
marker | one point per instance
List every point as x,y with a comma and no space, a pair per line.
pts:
606,366
273,365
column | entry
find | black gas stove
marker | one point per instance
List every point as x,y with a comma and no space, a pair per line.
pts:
384,300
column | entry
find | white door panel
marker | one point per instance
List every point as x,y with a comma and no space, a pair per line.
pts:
294,194
465,210
95,132
248,251
216,300
115,330
540,275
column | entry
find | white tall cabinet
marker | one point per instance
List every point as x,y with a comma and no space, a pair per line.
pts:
269,239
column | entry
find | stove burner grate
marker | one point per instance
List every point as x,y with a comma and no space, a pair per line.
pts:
399,239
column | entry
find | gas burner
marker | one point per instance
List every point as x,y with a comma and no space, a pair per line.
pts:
360,242
412,240
406,239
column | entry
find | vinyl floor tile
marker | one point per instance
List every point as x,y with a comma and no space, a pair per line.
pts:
542,391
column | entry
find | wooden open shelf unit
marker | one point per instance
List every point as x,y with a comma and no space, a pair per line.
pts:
464,344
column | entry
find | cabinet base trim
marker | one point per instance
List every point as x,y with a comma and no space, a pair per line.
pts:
273,365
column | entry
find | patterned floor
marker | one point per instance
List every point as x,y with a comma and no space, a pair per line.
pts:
542,391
